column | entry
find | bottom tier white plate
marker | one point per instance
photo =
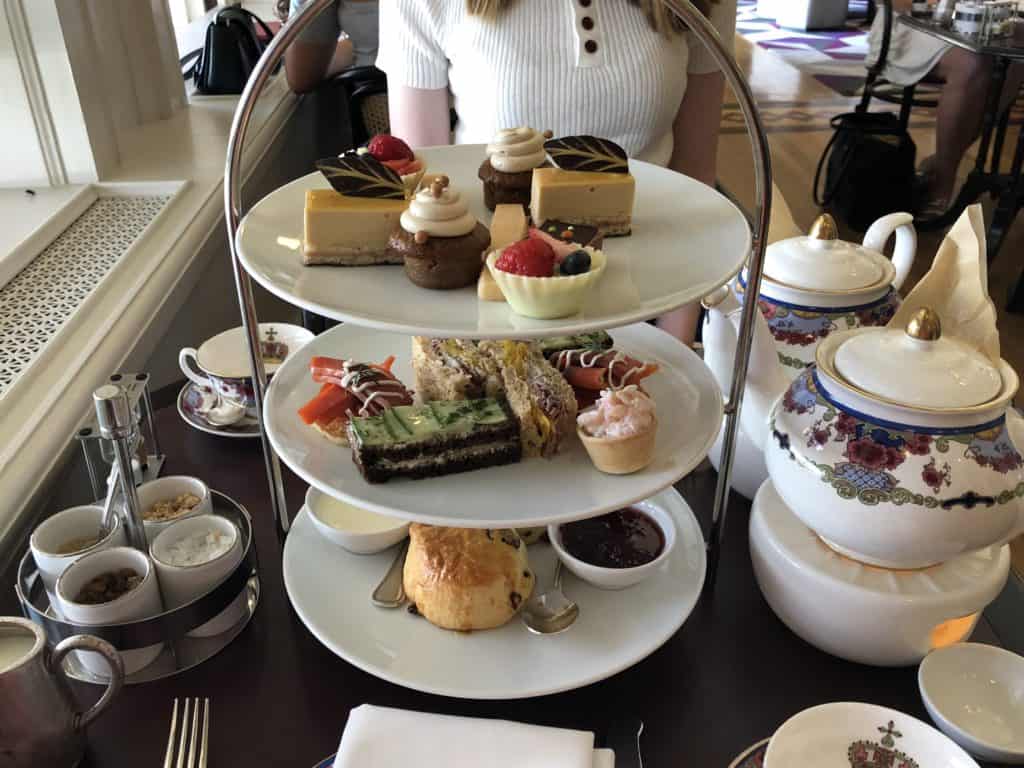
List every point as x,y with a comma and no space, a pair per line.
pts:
330,590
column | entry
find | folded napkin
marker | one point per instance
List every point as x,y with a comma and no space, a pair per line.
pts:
396,738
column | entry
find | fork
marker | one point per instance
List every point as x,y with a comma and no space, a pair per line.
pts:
186,740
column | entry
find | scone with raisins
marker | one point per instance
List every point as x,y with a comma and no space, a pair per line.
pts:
466,578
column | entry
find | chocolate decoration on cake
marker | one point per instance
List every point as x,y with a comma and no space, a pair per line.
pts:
587,153
357,175
584,234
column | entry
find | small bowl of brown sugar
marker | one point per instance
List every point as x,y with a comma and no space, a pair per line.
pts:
111,586
168,499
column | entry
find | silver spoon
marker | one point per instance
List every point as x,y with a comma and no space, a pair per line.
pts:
550,612
390,593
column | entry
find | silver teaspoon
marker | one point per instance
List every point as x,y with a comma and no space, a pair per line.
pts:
390,593
550,612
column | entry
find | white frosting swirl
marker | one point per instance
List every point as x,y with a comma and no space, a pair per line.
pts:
444,216
515,150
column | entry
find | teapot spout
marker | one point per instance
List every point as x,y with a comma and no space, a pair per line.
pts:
905,250
766,379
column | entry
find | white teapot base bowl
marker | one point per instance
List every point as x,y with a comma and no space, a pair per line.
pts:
861,612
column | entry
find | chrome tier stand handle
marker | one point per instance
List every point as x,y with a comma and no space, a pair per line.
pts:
708,36
233,215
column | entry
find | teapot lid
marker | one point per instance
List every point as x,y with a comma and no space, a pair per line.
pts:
822,262
917,367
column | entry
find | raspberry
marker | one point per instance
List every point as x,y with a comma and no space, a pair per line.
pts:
385,147
530,258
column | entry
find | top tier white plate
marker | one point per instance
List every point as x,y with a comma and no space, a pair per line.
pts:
687,240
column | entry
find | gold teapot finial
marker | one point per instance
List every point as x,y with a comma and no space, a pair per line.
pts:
924,325
824,228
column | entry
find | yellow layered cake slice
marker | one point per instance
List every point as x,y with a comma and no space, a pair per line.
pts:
602,200
349,231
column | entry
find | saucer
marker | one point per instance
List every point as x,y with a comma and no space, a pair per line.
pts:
190,405
751,757
844,734
975,694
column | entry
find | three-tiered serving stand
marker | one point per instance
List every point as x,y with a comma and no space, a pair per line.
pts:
399,500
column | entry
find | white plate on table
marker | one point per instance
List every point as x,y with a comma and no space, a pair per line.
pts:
330,591
532,492
687,240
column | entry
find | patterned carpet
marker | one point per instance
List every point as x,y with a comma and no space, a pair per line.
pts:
833,57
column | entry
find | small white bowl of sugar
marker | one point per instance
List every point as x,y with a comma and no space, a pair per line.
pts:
194,555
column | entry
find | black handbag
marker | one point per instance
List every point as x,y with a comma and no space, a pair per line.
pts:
869,168
230,52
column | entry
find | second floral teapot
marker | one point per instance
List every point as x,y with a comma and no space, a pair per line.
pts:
816,284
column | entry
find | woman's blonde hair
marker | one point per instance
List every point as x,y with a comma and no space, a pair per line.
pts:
659,16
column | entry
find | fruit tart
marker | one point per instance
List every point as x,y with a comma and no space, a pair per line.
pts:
537,283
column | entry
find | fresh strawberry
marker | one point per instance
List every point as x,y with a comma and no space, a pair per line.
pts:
385,147
403,167
530,258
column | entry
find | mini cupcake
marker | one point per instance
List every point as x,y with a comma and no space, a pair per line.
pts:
507,173
537,282
618,432
439,240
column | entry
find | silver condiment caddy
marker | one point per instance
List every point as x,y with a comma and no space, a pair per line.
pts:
122,431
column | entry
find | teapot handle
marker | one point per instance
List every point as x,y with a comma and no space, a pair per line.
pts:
878,235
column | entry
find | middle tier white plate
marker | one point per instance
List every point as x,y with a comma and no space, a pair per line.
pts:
532,492
687,240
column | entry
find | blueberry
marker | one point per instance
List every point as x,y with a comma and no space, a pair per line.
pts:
576,263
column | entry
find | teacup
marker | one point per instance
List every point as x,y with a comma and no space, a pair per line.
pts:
142,602
53,535
222,363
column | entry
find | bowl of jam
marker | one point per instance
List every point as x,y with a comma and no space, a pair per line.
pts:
617,549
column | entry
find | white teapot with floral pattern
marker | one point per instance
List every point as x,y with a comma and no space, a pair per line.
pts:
900,447
817,284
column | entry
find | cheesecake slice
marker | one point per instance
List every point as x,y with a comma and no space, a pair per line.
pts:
597,199
508,226
349,231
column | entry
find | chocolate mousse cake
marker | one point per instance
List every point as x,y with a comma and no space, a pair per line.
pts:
438,438
507,173
439,240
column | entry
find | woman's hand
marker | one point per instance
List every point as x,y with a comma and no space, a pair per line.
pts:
419,116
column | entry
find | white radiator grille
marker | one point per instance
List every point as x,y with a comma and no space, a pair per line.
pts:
40,299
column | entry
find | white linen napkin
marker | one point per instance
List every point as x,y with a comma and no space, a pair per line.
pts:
396,738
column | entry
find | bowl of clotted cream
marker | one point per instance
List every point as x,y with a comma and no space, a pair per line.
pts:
350,527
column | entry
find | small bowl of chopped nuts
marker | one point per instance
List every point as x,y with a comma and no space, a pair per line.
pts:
167,499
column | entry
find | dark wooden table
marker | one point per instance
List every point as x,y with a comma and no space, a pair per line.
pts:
728,678
987,176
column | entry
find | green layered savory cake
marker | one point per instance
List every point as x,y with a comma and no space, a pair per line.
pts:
438,438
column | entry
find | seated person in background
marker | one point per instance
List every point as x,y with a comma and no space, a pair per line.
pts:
626,70
318,53
966,76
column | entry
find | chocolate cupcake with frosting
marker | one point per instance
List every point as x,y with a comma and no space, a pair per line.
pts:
440,242
507,173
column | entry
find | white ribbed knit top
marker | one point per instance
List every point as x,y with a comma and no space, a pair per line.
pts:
572,66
